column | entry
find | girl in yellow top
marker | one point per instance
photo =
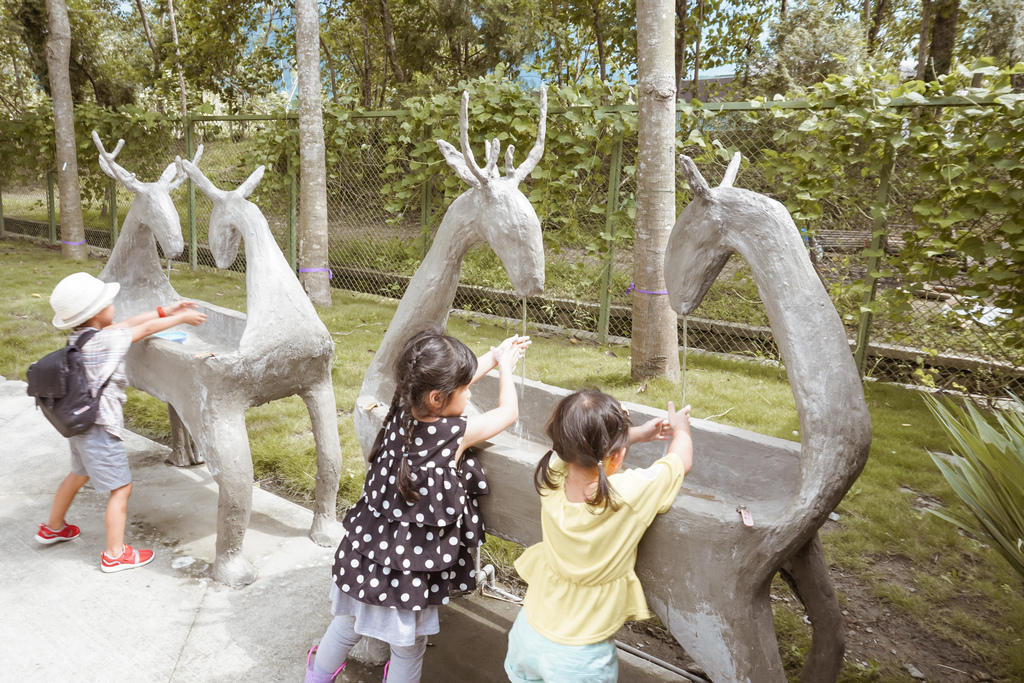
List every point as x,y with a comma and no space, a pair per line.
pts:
582,583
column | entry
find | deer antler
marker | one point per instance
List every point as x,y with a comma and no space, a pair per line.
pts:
482,175
112,168
697,183
180,176
538,148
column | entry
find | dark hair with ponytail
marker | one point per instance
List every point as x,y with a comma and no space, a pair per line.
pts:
429,361
585,428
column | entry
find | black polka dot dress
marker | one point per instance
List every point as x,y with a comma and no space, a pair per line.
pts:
409,556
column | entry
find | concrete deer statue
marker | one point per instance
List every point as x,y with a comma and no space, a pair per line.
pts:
492,210
135,263
235,361
724,617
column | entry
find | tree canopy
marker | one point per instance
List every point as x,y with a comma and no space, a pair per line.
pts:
239,56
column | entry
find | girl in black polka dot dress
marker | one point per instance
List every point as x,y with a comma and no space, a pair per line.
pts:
408,538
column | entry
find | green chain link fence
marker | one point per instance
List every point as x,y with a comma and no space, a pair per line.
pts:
387,197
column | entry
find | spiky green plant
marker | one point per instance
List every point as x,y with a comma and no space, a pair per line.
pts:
988,476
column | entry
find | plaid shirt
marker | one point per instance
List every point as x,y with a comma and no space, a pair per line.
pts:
103,356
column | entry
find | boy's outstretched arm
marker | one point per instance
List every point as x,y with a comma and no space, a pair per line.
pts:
145,324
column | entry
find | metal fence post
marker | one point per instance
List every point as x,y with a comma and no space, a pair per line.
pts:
190,193
3,227
293,195
874,257
611,207
51,210
425,216
113,213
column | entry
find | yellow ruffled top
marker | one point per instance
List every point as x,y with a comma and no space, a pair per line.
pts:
582,581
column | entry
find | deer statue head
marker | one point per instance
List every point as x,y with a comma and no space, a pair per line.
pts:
703,238
494,209
152,205
231,211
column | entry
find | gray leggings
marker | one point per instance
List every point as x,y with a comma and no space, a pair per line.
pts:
406,661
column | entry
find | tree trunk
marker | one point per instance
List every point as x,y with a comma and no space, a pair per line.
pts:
149,37
17,79
922,45
599,34
270,28
366,82
330,67
312,163
945,13
655,329
876,24
177,56
558,62
389,40
680,45
696,50
58,56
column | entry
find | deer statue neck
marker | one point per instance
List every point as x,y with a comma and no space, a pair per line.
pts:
835,426
135,264
274,295
430,293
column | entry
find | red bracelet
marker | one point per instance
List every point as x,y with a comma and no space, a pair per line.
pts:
160,312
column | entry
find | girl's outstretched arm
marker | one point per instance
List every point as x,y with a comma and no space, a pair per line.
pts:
655,429
484,426
489,360
681,444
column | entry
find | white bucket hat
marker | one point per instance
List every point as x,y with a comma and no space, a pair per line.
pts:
79,297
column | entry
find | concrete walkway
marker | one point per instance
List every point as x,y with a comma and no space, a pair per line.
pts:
62,619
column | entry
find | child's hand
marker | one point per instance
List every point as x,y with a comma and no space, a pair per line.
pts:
179,307
509,357
656,429
513,341
191,316
679,422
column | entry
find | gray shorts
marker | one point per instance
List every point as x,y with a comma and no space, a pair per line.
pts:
101,456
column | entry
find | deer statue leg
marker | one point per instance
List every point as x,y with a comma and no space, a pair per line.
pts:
182,453
224,443
807,574
323,413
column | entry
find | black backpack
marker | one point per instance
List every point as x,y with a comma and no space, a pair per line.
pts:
61,388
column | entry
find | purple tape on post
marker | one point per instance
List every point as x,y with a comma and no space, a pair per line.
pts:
72,244
633,288
330,274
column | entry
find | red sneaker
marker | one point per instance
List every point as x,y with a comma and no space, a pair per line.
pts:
130,559
46,535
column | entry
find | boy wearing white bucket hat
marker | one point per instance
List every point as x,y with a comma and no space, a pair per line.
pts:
81,301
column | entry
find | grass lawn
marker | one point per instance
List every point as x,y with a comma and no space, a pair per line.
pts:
908,581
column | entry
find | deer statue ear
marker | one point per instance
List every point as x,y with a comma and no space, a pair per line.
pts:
730,173
700,187
457,161
246,188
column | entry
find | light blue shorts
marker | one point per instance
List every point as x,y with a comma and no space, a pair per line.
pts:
101,456
532,657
